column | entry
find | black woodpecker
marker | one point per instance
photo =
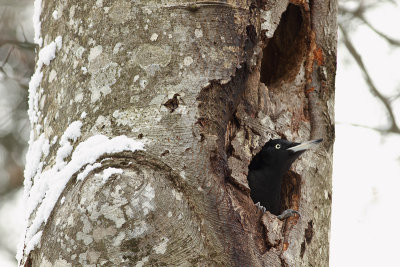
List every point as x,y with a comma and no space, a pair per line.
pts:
266,171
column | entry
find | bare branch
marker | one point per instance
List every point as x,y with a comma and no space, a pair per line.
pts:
23,32
8,56
19,3
359,14
377,129
373,89
389,39
23,45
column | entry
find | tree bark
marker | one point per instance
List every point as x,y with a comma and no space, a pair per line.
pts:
199,88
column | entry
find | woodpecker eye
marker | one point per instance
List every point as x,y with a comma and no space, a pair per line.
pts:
277,146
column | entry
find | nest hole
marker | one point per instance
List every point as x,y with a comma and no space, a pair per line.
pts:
286,50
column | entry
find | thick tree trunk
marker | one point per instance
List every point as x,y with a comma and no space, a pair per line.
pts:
198,88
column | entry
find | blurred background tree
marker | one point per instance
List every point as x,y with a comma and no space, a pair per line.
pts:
17,53
16,67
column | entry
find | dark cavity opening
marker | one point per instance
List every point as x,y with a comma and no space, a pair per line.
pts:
290,191
285,51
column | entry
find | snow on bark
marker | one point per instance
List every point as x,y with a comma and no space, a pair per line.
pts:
48,185
46,55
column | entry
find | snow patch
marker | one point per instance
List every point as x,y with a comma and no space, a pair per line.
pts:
46,54
86,171
73,132
110,171
34,241
54,140
48,186
33,165
37,11
58,42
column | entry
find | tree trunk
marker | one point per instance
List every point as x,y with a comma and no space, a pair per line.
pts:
145,117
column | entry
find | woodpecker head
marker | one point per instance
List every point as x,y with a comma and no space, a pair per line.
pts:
280,154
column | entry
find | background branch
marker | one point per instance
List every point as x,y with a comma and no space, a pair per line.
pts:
393,127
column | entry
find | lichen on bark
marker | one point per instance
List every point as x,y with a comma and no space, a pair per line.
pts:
203,86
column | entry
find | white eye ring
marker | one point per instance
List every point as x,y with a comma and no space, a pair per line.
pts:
277,146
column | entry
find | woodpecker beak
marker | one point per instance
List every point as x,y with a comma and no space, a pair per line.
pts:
305,145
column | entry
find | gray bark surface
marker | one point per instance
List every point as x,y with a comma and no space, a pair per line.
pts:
204,85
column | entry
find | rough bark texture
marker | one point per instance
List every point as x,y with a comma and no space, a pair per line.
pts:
204,85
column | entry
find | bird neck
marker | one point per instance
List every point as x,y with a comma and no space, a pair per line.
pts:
271,168
272,177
